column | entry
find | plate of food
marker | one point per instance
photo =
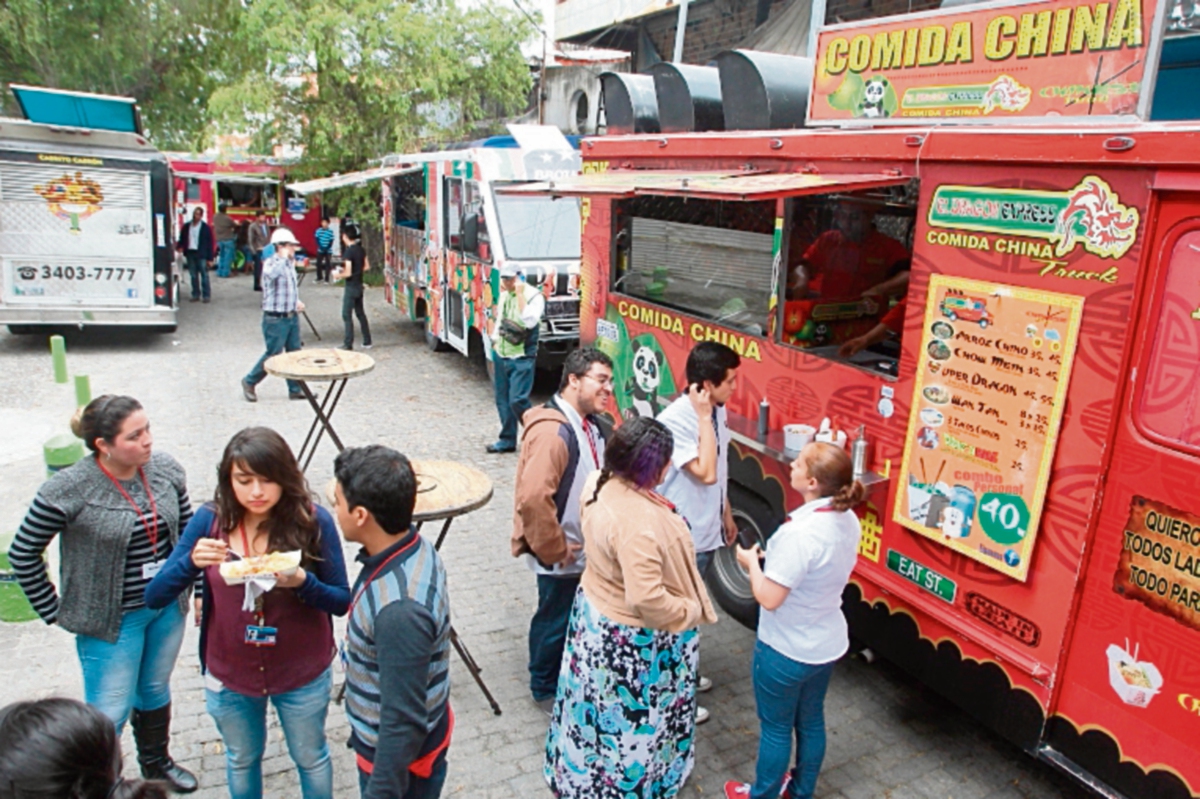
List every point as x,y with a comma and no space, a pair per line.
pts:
236,572
936,394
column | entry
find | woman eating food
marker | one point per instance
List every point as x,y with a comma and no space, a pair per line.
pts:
801,629
118,515
264,642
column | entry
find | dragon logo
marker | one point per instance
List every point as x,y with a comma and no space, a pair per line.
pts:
1006,94
1095,215
72,198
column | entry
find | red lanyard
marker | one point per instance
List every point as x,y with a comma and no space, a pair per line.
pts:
587,433
151,527
367,582
661,500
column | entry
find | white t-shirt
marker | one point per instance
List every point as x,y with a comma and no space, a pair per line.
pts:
812,554
701,505
194,235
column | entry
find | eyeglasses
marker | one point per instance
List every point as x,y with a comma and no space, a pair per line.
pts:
607,382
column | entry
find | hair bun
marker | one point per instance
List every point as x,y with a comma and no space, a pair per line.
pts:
77,423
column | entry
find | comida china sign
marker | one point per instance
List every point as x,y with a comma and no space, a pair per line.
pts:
997,62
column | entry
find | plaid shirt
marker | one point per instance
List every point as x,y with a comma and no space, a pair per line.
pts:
279,291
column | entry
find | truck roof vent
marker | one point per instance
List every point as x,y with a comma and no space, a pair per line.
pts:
689,97
629,102
764,91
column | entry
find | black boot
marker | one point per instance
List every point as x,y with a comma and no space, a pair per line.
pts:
152,732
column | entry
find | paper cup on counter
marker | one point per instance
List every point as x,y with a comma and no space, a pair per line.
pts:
797,436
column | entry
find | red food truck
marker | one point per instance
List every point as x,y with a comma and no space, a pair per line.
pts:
1031,537
251,186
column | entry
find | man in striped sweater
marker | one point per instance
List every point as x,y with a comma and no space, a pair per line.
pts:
397,648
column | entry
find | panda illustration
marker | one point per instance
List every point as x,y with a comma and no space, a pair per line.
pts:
875,97
642,387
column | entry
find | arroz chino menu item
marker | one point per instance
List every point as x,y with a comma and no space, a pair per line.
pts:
991,382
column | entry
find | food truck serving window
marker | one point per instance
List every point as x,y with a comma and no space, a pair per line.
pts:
538,226
1169,406
848,257
709,258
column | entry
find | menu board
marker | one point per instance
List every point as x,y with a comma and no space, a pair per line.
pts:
991,383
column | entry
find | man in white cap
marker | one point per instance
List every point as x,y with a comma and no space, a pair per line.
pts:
281,308
514,336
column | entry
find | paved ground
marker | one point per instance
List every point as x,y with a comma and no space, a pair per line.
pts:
888,737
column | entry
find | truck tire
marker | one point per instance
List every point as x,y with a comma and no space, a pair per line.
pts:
434,343
727,580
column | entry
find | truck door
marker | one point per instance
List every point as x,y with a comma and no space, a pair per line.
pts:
1128,708
453,309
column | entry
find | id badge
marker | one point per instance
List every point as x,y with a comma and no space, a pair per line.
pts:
150,570
260,636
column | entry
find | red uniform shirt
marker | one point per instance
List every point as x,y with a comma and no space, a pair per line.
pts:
845,269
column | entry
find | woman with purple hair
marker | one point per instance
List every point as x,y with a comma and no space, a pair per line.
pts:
625,714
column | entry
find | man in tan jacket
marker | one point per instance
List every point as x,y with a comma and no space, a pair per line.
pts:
562,444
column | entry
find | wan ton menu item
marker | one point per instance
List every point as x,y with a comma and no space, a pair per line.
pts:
986,410
1135,681
236,572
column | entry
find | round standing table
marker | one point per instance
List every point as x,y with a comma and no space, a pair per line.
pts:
334,367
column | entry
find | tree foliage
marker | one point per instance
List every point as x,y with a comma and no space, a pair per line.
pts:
168,54
353,80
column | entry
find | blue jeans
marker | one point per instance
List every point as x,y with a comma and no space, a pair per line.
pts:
198,268
242,722
281,333
791,698
548,633
513,383
134,672
418,788
225,256
704,562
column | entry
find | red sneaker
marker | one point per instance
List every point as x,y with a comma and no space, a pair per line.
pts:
737,790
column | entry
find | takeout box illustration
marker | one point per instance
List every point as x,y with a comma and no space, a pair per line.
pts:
1136,682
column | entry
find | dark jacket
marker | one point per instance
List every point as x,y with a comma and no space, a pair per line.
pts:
206,249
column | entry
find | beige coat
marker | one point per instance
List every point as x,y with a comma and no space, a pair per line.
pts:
641,564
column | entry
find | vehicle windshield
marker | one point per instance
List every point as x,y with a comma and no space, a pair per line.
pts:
538,227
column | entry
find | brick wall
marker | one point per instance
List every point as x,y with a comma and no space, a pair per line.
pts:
712,26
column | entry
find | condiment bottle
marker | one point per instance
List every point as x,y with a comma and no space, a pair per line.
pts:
764,418
858,453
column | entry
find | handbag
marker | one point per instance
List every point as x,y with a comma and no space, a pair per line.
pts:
512,332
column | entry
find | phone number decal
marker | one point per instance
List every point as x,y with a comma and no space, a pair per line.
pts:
77,272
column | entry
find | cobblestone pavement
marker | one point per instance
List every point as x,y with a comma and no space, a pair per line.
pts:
888,737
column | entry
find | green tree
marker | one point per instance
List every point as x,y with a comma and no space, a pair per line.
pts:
351,81
167,54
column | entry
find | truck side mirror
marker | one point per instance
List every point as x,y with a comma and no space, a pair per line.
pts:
470,233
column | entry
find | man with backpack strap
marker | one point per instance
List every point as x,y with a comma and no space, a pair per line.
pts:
562,444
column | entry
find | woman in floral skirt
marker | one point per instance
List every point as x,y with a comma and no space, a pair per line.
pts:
625,714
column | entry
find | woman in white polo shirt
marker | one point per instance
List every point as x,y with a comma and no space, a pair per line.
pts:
801,630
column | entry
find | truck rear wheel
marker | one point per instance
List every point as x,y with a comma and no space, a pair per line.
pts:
727,580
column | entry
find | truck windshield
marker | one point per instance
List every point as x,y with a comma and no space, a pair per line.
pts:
538,227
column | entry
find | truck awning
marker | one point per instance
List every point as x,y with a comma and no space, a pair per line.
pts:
78,109
706,185
350,179
221,177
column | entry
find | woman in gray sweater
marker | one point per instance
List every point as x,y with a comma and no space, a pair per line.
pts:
119,514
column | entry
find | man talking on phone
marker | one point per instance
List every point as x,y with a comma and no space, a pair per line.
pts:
698,478
514,335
